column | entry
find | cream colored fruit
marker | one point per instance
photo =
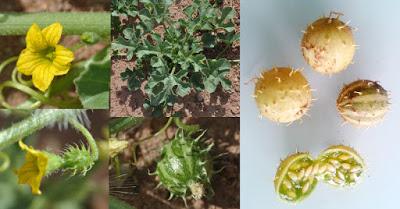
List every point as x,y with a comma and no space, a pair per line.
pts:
363,103
282,94
328,45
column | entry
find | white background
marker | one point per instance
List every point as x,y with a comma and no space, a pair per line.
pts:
270,36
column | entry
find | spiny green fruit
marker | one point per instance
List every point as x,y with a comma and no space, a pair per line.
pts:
298,174
77,159
363,103
328,45
185,167
282,94
294,180
341,166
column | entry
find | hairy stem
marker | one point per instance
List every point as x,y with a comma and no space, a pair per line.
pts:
89,138
74,23
28,126
5,161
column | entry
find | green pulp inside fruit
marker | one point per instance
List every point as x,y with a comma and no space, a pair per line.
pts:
295,179
341,166
298,174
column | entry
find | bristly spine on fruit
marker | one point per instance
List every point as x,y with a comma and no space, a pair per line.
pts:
185,168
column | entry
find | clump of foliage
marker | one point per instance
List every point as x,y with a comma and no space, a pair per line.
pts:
169,53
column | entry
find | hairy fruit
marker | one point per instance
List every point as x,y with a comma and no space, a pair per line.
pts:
185,167
328,45
363,103
282,94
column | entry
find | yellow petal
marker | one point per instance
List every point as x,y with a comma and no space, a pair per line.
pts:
62,60
35,40
42,77
28,61
63,56
52,33
33,169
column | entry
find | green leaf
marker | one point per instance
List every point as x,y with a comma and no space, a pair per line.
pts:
209,40
134,77
93,84
227,14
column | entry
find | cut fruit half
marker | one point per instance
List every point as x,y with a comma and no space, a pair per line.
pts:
340,166
294,179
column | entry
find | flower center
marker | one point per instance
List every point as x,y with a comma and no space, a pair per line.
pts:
50,53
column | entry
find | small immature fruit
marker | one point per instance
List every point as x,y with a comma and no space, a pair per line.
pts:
293,180
350,166
328,45
363,103
185,167
282,94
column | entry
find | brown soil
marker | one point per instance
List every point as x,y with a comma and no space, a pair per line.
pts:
218,104
13,45
224,132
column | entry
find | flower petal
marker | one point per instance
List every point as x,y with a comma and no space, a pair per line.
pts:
42,77
63,56
33,169
35,40
52,33
62,60
28,61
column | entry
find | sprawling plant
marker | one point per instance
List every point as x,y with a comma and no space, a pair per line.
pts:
169,53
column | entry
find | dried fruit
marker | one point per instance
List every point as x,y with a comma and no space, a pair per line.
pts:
282,94
185,167
293,181
350,169
363,103
328,45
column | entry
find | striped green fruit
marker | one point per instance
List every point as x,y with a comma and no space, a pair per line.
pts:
363,103
185,168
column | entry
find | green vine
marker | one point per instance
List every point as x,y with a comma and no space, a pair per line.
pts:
74,23
34,123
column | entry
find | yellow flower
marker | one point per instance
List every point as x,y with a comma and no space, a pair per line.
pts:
43,58
34,168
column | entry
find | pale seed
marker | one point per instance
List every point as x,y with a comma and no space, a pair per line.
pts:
330,168
337,180
287,184
300,175
292,176
334,163
322,169
308,171
346,166
315,169
341,175
344,157
306,187
355,169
